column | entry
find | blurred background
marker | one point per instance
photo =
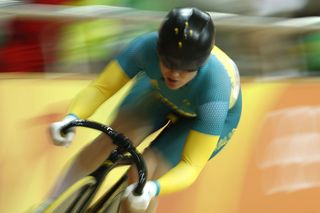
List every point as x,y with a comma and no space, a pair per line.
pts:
31,40
51,49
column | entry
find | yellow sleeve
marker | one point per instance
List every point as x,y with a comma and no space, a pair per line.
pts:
108,83
196,153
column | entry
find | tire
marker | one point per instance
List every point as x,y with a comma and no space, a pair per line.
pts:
72,199
110,201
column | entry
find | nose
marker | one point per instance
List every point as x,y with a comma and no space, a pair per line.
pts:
174,73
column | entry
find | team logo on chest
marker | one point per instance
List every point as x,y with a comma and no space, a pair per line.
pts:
186,102
154,83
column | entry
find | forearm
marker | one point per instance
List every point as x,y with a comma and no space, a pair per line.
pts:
196,154
180,177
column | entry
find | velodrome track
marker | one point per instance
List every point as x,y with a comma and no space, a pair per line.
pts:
270,165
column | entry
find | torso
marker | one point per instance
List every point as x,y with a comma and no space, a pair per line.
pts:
212,82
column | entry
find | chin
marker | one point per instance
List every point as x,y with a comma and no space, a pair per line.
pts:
174,87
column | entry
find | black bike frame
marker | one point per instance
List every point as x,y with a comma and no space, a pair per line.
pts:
118,157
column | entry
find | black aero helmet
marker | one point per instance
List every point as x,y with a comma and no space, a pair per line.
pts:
186,38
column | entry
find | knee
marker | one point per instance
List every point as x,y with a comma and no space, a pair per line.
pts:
96,152
151,163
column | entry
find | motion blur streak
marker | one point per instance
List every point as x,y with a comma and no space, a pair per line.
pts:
293,151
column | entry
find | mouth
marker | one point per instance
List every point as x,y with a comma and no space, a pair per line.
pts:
172,83
170,80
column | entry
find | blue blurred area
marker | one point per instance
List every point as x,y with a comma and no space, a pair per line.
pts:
85,46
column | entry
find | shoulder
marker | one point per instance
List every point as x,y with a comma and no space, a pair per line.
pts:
214,80
142,47
145,40
213,73
224,59
139,55
139,47
230,70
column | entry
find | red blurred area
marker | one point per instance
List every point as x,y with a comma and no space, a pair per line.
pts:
31,43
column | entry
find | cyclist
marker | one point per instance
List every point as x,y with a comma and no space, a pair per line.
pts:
178,69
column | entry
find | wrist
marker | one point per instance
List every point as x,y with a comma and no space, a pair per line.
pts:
157,184
71,117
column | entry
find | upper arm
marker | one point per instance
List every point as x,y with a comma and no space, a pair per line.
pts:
111,79
213,101
99,90
131,59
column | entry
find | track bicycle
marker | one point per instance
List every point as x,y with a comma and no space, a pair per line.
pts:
78,197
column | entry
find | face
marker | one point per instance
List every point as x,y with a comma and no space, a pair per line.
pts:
176,79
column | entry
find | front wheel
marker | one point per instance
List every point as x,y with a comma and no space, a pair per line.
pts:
110,201
71,200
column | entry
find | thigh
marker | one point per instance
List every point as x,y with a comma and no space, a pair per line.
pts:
170,143
136,120
141,118
156,165
141,112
